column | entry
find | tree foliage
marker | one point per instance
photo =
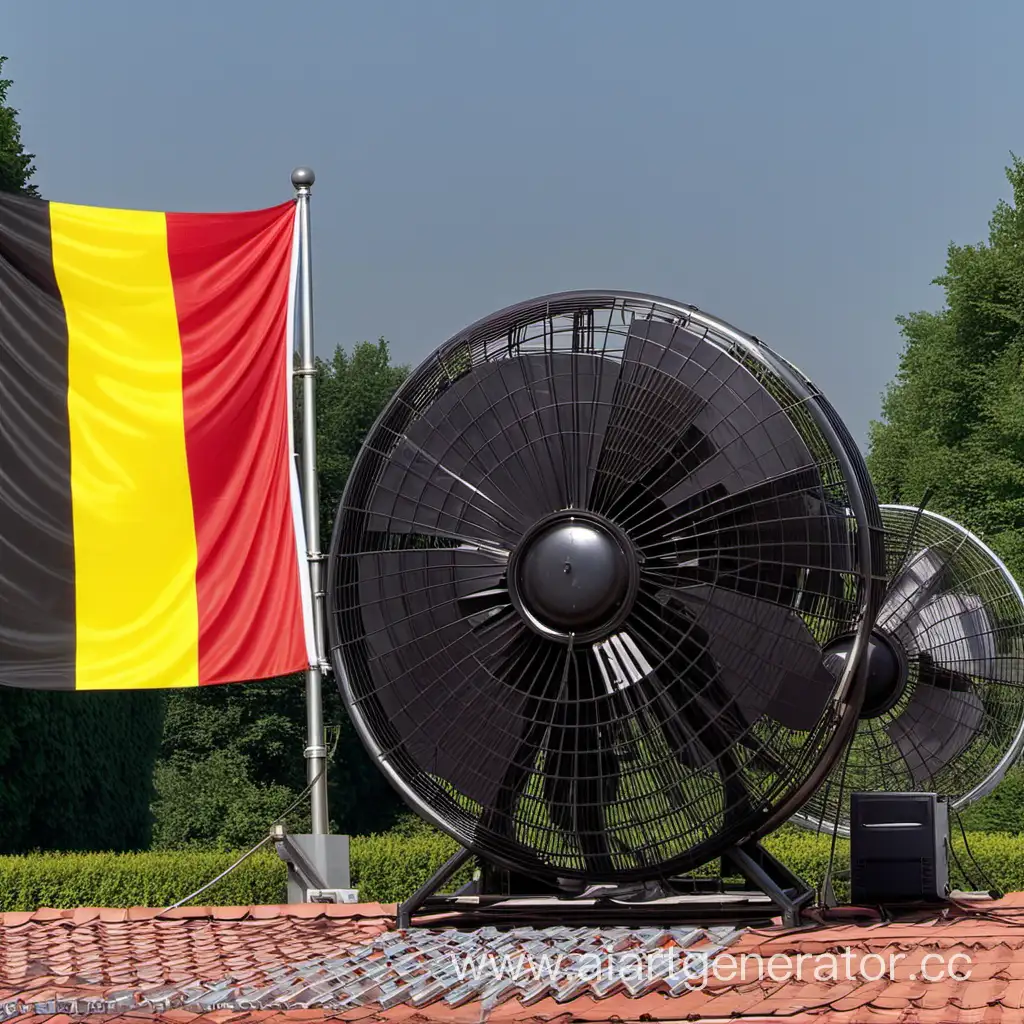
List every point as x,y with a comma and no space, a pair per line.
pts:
16,166
352,391
953,419
213,803
76,769
231,759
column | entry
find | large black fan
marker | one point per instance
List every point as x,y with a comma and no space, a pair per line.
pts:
581,580
944,706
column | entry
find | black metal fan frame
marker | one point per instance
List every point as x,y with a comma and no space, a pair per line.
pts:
869,552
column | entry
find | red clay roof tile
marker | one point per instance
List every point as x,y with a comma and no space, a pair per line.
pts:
88,953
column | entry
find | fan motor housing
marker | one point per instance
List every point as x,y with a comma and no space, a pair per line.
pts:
887,672
574,574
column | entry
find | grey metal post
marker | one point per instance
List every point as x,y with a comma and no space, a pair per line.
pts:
315,752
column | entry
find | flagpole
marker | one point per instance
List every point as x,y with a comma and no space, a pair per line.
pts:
315,752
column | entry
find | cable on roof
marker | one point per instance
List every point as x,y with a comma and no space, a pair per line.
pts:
266,839
993,890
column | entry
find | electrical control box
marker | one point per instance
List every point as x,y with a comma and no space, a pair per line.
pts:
899,848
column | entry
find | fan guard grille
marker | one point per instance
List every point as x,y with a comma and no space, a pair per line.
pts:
957,615
697,711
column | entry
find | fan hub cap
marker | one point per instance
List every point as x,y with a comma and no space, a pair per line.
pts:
573,575
886,670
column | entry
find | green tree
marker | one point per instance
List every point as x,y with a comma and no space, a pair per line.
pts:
212,803
16,166
352,390
231,758
75,768
953,419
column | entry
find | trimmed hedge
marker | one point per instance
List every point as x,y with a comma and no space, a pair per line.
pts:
385,868
1002,810
136,879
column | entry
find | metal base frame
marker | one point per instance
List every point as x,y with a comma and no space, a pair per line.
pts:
501,897
788,891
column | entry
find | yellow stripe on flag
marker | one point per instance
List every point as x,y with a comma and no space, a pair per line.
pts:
135,543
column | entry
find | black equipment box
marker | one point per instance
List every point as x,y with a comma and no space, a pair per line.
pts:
899,848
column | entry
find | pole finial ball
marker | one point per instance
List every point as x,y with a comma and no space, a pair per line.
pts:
303,177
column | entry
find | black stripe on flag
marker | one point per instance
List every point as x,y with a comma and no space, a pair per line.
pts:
37,553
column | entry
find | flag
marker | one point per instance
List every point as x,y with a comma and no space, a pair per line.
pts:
150,523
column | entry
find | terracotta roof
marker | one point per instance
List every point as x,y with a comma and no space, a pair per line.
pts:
309,963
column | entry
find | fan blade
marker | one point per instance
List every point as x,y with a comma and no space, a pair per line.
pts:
912,585
423,578
957,633
689,421
768,661
581,388
832,561
767,542
420,642
581,768
700,719
505,444
651,413
702,466
419,495
537,669
935,728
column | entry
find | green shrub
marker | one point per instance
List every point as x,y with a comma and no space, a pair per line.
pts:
999,857
136,879
385,868
212,804
1002,810
388,868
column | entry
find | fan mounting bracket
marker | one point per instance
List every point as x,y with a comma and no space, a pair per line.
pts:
770,890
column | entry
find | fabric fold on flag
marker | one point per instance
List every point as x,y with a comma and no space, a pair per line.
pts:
150,527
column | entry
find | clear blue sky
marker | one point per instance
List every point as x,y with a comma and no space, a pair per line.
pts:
795,168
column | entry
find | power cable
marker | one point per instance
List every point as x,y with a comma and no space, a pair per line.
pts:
248,853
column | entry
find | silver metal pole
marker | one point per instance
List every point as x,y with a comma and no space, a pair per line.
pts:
316,751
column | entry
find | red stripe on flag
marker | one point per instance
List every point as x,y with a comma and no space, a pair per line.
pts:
230,274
